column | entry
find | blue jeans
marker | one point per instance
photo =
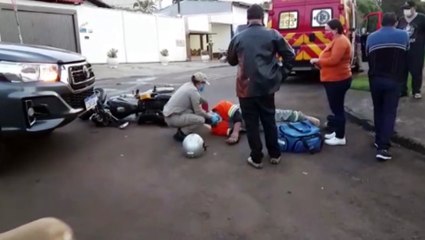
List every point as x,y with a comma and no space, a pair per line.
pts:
336,97
385,96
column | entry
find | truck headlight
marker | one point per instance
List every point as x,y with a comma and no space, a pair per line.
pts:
29,72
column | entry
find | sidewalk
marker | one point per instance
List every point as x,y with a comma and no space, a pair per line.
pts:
410,122
102,71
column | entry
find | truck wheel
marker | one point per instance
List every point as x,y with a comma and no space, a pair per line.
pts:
85,116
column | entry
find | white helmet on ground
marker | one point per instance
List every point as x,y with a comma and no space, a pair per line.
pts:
193,146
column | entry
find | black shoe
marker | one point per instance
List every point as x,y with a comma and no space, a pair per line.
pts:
383,155
179,136
403,95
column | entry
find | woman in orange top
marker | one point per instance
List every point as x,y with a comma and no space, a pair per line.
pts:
335,73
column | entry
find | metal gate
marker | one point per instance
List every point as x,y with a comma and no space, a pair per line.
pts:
41,26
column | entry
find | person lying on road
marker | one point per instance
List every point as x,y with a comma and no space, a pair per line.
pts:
232,122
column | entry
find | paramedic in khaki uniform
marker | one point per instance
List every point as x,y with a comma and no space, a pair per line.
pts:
258,78
184,112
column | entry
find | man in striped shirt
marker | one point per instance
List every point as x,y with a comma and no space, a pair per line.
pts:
387,54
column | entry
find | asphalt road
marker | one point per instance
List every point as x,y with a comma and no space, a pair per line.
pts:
135,184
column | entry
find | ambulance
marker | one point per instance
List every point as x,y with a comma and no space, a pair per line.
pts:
302,22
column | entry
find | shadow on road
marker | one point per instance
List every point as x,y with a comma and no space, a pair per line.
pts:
20,152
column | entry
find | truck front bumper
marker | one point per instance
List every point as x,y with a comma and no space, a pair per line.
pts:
35,108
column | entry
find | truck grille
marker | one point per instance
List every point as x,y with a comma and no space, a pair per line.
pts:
76,100
81,76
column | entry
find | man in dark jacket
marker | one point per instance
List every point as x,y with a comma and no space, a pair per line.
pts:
258,78
414,24
387,49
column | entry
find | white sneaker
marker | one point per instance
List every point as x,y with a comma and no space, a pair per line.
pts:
417,96
253,164
330,135
275,161
336,141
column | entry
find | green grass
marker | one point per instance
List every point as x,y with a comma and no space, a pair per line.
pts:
361,82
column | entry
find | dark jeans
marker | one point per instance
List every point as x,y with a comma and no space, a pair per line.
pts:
385,96
336,96
255,109
415,65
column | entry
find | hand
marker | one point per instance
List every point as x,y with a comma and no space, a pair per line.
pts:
215,118
314,60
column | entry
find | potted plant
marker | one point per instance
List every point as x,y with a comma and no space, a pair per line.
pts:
164,56
205,56
112,58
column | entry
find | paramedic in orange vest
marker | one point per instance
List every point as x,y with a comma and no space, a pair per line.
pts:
231,121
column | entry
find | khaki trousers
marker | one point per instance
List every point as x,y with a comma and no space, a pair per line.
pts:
187,122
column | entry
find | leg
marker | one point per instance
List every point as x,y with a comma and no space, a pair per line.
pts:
330,118
377,100
250,114
185,123
403,87
236,122
267,116
416,70
336,95
389,114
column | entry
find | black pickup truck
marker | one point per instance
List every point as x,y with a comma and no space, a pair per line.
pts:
42,88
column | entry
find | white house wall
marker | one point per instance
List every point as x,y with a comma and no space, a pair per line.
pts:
172,36
104,32
198,23
195,42
239,16
224,18
222,36
140,33
138,37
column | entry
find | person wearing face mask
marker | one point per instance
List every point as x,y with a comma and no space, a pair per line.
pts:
414,23
258,77
184,112
335,73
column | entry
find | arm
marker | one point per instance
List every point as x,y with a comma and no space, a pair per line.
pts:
337,53
195,99
367,46
232,55
284,50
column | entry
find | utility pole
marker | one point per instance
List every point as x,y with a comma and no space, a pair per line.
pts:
178,8
15,9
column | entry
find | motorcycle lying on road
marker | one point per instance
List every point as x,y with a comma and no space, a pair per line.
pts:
146,107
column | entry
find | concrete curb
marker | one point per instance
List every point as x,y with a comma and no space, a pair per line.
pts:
368,125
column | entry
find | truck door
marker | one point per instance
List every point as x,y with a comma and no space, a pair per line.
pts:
315,39
290,24
372,22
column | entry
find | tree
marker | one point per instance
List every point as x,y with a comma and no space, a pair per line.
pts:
394,6
145,6
367,6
